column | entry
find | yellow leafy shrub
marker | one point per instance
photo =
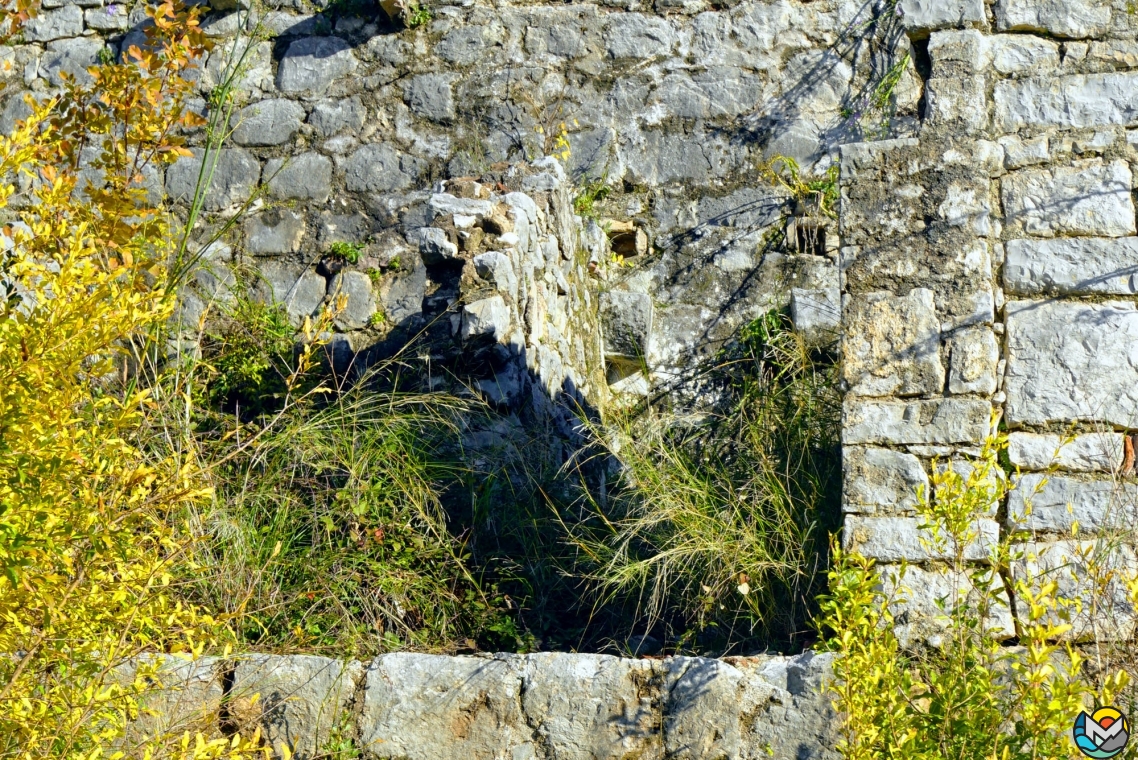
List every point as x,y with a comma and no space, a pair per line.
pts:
85,544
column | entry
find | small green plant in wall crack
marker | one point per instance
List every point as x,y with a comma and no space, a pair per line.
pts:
819,192
418,15
345,251
585,203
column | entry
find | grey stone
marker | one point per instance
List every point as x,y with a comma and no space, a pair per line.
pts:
434,246
920,599
935,421
958,51
891,345
958,102
330,117
268,122
881,481
16,109
275,231
626,322
71,58
1090,452
1054,503
429,707
1094,100
356,287
635,35
1022,54
279,24
300,291
586,707
311,64
929,15
53,25
430,95
113,18
402,295
1072,361
488,316
305,177
1020,153
465,44
188,698
381,169
235,176
973,354
495,267
301,698
1072,266
1111,616
1060,18
698,688
816,314
1087,198
559,40
897,539
444,204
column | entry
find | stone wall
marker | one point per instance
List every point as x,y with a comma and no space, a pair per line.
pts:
513,707
988,264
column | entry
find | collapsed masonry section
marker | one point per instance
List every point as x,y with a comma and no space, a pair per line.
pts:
992,265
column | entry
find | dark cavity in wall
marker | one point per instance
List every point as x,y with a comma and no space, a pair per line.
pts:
923,63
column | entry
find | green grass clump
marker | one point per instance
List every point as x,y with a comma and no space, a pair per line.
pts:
716,530
585,203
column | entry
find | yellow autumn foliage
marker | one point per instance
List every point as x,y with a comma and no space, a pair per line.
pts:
86,545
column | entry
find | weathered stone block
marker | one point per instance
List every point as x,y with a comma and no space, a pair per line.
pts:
435,247
595,706
1021,54
113,18
1071,361
330,117
311,64
958,102
300,291
275,231
301,698
1061,501
268,122
973,354
1088,198
1060,18
891,345
1111,616
816,314
1094,100
698,688
923,16
495,267
361,299
430,95
186,696
894,539
799,721
1092,452
881,481
932,422
920,599
1020,153
402,295
958,52
234,177
71,58
304,177
53,25
381,169
1072,266
626,322
429,707
635,35
489,316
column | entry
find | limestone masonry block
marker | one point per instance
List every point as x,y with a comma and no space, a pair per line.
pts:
1064,500
275,231
1094,100
930,15
1092,452
489,316
1072,266
973,354
816,314
891,345
1066,563
311,64
268,122
595,706
921,596
626,320
1087,198
1020,153
304,177
958,52
382,168
1071,361
1015,54
429,707
356,286
52,25
301,698
896,539
1061,18
236,174
936,421
960,103
881,481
